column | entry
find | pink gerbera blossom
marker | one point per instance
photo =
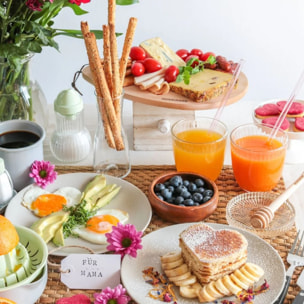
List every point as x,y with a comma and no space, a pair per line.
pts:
112,296
43,173
124,239
78,2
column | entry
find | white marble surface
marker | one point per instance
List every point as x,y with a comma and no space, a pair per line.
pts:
233,115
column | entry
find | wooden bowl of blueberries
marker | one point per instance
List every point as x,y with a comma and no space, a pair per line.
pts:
183,197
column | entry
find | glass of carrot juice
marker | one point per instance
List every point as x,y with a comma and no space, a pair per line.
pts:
257,160
198,148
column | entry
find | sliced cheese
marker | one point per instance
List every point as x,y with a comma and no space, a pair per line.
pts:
203,86
160,51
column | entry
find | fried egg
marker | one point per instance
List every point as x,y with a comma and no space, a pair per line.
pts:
43,203
100,224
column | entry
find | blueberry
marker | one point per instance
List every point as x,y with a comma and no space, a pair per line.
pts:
196,204
167,183
208,192
171,200
199,182
206,199
186,182
160,196
200,190
159,187
185,194
192,187
179,189
197,197
176,180
171,188
179,200
189,202
166,193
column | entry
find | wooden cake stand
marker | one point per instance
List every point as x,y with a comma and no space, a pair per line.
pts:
152,120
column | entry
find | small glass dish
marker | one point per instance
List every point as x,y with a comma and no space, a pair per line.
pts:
240,209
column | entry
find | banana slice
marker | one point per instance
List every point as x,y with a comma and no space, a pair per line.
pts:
204,296
242,277
234,289
171,257
182,269
248,275
190,291
213,291
222,288
254,269
191,280
180,277
238,282
173,264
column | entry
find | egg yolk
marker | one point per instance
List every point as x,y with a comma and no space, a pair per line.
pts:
46,204
102,223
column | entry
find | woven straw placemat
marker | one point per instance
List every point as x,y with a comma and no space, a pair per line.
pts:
141,177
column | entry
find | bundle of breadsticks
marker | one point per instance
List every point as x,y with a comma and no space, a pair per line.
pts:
108,73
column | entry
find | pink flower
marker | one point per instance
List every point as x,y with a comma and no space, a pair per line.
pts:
34,5
112,296
124,239
43,173
78,2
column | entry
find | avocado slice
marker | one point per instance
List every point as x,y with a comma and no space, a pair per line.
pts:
47,226
58,238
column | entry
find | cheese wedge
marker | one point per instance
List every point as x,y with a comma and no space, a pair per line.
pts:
160,51
203,86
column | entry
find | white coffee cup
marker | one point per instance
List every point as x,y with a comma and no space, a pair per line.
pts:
21,143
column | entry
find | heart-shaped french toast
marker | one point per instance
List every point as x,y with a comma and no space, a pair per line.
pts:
211,253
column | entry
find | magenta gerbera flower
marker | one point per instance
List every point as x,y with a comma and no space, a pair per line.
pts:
112,296
124,239
43,173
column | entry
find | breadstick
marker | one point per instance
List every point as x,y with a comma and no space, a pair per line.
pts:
102,110
84,27
111,11
117,85
103,88
127,47
107,57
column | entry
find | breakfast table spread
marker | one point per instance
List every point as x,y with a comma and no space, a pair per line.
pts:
141,177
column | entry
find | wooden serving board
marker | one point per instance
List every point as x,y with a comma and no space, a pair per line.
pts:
175,101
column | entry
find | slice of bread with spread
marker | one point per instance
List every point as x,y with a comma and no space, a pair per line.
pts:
203,86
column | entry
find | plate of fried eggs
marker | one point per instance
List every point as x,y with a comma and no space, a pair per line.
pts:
130,205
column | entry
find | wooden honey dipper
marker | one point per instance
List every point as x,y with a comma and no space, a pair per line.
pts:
263,216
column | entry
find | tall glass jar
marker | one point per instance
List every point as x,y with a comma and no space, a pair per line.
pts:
111,149
20,98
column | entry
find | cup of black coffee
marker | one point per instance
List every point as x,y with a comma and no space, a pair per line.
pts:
21,143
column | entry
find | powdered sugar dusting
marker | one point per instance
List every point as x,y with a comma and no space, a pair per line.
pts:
209,244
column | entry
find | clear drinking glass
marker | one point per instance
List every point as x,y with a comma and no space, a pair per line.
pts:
111,157
257,161
197,148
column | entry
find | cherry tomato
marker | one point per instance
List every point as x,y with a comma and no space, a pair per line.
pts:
137,68
196,52
171,73
183,53
195,63
152,65
137,53
205,56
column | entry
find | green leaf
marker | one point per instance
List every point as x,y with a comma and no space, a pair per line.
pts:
126,2
77,9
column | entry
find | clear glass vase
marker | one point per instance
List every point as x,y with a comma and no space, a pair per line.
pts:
20,98
111,157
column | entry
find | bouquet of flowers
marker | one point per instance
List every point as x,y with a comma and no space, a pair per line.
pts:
26,26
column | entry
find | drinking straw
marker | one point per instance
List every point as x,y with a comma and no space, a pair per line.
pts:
231,85
287,106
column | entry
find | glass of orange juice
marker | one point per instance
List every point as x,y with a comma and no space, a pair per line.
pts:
257,160
197,148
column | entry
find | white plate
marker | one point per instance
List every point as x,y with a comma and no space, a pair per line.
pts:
166,240
129,198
